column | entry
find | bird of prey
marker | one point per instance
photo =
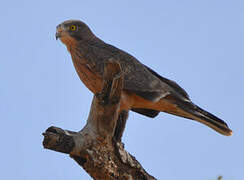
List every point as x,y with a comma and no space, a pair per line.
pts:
144,91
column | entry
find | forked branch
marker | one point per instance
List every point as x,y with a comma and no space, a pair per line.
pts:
97,147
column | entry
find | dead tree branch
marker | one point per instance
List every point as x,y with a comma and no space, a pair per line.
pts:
97,147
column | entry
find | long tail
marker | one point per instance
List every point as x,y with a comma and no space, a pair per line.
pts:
191,111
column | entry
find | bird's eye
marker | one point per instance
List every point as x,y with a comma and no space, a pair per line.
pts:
73,27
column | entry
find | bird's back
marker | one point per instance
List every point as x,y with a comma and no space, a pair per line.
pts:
138,78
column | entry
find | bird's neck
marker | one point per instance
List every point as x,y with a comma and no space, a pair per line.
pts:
69,42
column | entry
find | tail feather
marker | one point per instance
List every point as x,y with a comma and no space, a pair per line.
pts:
192,111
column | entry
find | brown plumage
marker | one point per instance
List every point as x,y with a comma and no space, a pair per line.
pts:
145,91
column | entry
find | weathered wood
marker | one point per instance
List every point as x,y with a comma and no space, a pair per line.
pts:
98,147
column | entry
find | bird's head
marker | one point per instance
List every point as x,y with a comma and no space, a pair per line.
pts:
72,31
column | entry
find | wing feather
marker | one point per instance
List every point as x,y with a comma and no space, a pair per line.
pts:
138,78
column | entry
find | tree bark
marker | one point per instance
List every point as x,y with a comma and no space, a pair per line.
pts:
98,147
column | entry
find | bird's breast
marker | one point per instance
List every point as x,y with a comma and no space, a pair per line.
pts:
88,75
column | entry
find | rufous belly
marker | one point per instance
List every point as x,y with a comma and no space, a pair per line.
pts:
93,82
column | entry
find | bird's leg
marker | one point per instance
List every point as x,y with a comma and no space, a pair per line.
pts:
120,125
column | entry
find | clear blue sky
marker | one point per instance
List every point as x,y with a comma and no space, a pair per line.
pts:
199,44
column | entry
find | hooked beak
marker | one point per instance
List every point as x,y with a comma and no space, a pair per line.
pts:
58,32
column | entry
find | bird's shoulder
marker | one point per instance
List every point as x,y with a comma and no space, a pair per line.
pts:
138,77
